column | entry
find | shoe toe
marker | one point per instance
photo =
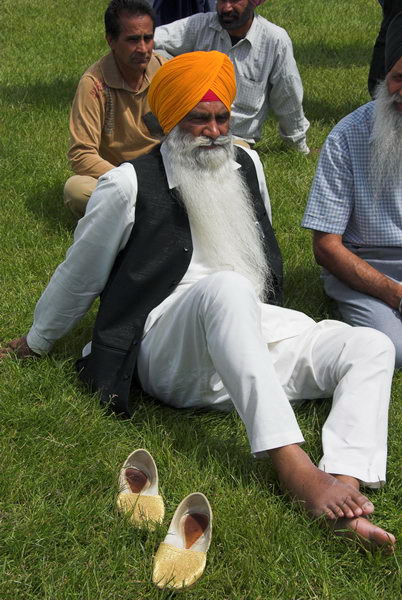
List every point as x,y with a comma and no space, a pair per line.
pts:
177,567
144,511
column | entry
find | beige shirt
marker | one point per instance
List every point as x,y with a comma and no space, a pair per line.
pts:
106,121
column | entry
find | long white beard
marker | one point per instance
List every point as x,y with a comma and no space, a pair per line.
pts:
219,206
386,149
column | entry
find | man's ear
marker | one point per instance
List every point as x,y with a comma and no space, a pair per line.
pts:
109,40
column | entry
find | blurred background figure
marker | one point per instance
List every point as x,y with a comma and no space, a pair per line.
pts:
377,68
167,11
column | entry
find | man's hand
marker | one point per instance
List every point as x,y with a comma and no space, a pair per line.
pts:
18,348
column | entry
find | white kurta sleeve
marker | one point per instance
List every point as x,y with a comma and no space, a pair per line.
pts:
101,233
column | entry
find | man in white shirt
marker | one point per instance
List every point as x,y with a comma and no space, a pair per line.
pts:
183,303
266,72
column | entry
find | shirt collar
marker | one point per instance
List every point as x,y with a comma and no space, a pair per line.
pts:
114,79
167,163
252,34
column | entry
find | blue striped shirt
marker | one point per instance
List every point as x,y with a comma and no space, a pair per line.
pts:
342,200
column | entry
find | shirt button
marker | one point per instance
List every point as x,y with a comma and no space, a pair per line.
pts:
185,249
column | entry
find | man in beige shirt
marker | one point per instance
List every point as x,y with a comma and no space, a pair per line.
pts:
110,118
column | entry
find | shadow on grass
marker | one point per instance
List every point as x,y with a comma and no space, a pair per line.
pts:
47,206
304,292
327,112
322,54
58,92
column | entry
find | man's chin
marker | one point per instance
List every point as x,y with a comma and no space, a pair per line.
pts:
211,158
229,24
137,61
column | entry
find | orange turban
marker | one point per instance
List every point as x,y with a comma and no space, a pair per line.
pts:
180,84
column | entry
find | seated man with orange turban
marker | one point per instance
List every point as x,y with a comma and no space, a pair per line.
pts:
190,275
266,72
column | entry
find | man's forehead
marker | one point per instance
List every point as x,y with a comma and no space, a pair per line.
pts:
130,23
397,68
240,2
214,107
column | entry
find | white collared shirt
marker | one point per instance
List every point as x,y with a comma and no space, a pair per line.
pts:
266,72
99,236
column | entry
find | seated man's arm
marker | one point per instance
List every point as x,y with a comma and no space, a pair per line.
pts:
178,37
86,122
330,253
329,210
98,238
285,95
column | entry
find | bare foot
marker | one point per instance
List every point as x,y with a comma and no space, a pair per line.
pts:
18,348
369,534
320,492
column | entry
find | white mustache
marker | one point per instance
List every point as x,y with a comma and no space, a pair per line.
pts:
222,140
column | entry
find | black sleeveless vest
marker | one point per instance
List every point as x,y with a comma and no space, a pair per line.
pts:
147,270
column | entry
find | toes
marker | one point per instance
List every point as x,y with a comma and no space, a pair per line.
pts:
368,508
338,511
359,505
330,514
369,534
351,508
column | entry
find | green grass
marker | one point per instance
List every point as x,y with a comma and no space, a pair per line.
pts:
60,535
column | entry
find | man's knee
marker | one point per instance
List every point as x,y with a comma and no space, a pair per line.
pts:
77,191
226,293
368,343
362,311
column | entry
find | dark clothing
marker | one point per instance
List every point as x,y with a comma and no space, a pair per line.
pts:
393,43
377,68
167,11
146,272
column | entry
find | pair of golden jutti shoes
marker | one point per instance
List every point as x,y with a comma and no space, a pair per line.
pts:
181,557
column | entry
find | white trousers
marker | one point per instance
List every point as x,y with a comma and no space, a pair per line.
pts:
208,350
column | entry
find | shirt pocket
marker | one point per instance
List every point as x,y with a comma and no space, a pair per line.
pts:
250,94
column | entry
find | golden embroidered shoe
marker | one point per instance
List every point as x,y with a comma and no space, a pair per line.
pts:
181,557
138,490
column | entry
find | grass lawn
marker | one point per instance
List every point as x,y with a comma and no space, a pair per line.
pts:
60,535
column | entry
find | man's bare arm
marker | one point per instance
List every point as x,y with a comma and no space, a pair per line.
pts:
330,253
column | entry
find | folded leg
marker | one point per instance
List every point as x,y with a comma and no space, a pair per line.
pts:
208,350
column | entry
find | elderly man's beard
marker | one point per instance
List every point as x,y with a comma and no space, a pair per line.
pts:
219,206
386,148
